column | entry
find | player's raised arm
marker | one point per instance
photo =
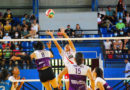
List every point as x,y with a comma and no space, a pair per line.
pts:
89,75
33,55
70,42
55,41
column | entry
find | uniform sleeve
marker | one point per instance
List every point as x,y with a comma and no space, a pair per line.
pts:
99,80
11,78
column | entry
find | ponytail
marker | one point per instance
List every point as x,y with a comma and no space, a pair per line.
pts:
38,45
79,58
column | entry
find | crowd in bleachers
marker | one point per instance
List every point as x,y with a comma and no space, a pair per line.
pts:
16,28
27,27
115,23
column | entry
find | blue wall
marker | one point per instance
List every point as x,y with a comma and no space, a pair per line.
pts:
86,55
31,74
114,73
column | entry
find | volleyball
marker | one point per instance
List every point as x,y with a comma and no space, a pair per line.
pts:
50,13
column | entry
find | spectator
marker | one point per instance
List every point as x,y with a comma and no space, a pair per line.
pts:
121,34
7,27
15,33
16,51
99,19
7,36
127,20
126,44
120,25
110,13
7,52
32,17
24,24
19,28
13,45
69,31
108,45
107,23
59,34
78,32
8,15
120,9
1,25
115,19
117,44
26,18
127,73
36,26
25,32
1,18
15,76
5,44
115,34
1,34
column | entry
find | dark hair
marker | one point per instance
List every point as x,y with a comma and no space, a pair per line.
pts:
3,75
38,45
79,58
99,72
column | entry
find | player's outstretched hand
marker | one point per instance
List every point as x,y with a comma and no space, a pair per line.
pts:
22,82
60,86
49,32
49,44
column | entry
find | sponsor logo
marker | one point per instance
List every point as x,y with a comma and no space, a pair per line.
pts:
77,82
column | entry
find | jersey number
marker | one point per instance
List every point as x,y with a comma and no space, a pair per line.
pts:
42,54
78,70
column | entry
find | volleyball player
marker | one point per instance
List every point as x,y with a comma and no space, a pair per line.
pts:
67,54
100,83
77,74
42,58
5,84
16,76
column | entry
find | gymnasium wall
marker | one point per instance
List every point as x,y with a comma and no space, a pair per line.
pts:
86,20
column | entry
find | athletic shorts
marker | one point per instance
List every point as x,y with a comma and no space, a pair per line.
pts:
46,75
67,76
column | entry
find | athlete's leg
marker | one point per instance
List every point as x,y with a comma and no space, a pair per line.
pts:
47,85
54,83
67,85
